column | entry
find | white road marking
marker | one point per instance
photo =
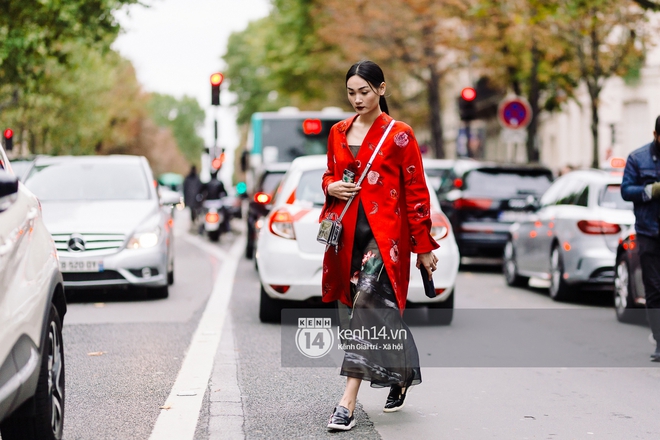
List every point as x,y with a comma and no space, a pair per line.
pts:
185,399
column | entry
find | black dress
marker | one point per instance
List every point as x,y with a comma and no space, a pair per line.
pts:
378,344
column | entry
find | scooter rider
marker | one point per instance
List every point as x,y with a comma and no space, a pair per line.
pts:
214,189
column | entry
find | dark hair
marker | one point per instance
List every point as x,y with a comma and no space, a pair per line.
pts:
657,125
371,73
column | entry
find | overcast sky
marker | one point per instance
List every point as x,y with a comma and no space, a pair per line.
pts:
175,46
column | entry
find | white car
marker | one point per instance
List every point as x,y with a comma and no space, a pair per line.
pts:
290,259
32,307
110,227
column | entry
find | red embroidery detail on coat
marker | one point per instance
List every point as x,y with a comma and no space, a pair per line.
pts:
394,194
374,209
411,169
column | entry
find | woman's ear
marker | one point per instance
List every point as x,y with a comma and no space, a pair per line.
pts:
381,88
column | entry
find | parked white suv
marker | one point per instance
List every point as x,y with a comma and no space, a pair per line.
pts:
32,306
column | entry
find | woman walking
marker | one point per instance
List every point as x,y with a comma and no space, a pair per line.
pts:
388,218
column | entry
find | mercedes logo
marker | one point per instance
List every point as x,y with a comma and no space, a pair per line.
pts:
76,243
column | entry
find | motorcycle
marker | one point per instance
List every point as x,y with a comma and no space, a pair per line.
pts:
215,218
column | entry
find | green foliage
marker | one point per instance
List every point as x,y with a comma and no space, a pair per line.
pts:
184,117
33,34
280,60
75,105
250,76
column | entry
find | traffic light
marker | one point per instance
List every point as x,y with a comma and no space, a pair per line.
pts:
216,80
216,163
467,104
9,139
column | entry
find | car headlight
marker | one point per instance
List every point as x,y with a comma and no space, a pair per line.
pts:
143,240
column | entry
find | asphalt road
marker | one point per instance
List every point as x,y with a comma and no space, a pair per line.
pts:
513,364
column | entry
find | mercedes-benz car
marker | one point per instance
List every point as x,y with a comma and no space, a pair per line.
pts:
109,225
32,309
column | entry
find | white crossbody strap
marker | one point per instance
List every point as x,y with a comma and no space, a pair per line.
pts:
366,168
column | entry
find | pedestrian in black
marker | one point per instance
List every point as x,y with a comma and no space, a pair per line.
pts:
192,186
641,185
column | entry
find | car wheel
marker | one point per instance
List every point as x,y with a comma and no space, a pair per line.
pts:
249,245
270,309
170,278
442,313
42,416
622,289
559,289
160,292
510,268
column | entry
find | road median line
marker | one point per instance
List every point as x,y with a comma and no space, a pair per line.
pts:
179,415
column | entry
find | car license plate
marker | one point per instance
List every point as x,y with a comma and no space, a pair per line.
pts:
512,216
81,265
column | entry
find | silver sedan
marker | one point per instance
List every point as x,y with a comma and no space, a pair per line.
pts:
107,221
571,239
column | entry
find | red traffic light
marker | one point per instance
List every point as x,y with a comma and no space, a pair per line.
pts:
9,133
216,79
468,94
218,161
312,126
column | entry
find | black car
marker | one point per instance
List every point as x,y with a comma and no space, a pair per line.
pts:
486,199
261,200
629,297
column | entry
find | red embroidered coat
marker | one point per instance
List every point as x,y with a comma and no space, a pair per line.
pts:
395,200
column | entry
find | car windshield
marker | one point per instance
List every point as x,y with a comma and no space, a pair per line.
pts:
309,188
610,197
270,182
288,140
88,181
507,183
21,167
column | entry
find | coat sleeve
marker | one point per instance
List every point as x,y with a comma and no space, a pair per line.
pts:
416,194
632,189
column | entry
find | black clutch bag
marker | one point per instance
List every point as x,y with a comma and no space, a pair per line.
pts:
429,289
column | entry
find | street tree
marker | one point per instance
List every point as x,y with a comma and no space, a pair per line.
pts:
34,34
417,42
607,38
184,117
519,49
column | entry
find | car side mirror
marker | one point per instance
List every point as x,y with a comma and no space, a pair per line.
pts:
8,190
169,197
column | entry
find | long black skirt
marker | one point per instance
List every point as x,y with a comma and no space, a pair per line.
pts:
378,345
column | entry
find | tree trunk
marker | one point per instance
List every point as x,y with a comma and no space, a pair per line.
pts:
435,112
533,97
594,126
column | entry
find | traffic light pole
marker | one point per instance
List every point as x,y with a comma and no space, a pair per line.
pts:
467,139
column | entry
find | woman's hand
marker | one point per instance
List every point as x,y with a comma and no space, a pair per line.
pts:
429,261
342,190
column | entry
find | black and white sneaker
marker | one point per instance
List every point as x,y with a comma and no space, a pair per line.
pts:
341,420
396,399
